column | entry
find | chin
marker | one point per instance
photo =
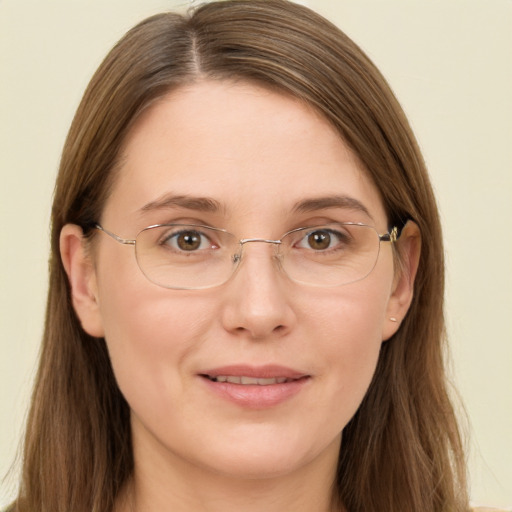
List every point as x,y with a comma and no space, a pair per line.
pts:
259,458
258,466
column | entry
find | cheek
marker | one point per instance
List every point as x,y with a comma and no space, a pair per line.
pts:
348,330
150,333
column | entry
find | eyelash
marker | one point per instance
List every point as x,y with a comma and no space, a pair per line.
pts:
174,236
336,240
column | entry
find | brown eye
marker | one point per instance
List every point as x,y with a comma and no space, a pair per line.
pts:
319,240
188,240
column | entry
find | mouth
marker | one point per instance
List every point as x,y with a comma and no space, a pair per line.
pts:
259,387
245,380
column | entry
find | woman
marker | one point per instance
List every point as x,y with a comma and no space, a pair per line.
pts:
246,278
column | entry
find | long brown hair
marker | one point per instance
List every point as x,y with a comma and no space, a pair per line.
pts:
402,450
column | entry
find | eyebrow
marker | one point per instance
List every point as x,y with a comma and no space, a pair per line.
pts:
210,205
336,201
202,204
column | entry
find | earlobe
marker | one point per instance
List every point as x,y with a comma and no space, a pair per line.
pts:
409,248
82,279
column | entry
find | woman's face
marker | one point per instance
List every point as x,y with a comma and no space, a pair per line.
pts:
258,164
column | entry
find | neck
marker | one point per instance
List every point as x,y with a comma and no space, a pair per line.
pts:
178,486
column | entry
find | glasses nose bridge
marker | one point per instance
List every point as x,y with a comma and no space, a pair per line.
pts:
242,242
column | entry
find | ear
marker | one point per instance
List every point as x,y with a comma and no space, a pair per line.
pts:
409,248
82,279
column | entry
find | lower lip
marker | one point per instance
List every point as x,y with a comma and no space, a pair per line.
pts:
254,396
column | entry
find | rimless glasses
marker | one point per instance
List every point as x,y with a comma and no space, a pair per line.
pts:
193,257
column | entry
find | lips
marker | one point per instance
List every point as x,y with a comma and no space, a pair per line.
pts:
245,380
255,387
253,375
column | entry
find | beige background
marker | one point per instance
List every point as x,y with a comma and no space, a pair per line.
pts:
450,63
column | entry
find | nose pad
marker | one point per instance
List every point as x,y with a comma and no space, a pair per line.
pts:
277,257
238,257
258,303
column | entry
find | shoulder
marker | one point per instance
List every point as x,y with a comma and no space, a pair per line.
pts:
489,509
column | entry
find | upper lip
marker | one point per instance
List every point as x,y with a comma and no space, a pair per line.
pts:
268,371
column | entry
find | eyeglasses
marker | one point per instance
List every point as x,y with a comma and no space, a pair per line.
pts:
193,257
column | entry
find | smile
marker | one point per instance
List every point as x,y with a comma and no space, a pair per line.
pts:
250,381
255,387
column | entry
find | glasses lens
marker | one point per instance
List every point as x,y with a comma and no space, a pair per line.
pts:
184,256
330,255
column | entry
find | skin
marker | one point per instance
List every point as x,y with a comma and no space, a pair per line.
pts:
257,153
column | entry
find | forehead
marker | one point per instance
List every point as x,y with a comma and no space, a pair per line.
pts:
245,149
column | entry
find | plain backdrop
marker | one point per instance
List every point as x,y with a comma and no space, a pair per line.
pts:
450,64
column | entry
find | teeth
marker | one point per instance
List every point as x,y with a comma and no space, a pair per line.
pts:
266,382
250,381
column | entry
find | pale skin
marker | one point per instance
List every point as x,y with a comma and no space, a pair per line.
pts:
256,154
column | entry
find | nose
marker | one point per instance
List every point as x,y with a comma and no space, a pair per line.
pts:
258,301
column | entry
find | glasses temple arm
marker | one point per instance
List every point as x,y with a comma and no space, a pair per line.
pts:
114,236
